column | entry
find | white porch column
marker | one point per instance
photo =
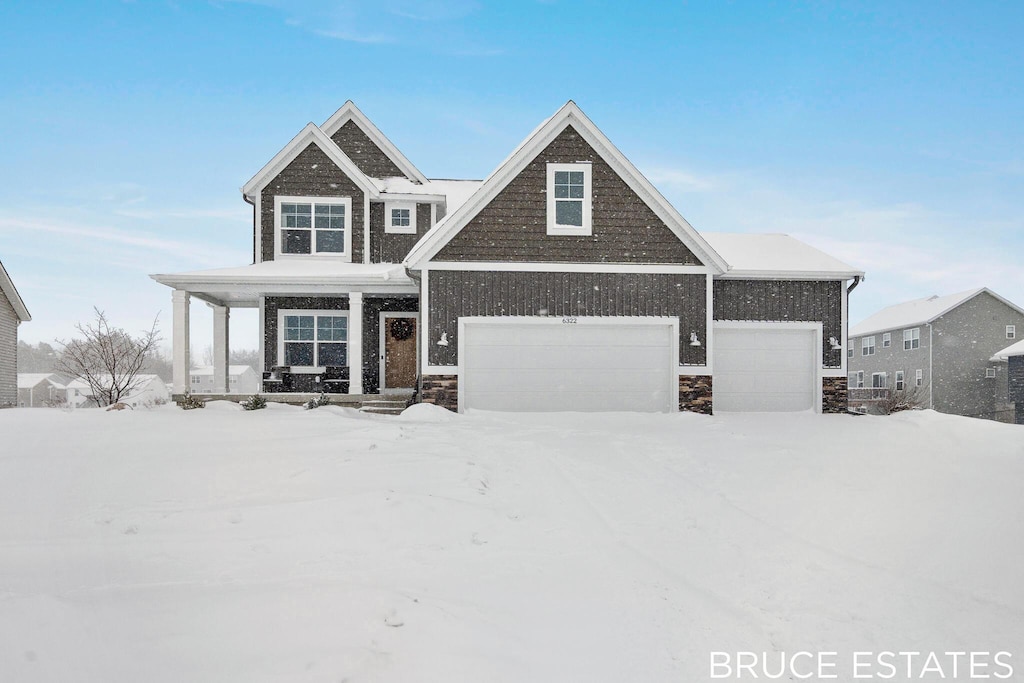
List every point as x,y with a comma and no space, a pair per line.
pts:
221,348
180,341
355,343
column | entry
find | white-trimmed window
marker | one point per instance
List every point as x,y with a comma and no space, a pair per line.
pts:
400,218
886,340
318,226
900,382
569,199
196,379
858,381
867,346
878,380
1011,331
918,377
849,352
912,339
990,373
312,339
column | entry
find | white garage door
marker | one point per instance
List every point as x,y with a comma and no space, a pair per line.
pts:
769,369
591,364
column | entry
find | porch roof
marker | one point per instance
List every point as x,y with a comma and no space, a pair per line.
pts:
243,286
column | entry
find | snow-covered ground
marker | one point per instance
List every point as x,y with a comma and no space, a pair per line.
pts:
328,545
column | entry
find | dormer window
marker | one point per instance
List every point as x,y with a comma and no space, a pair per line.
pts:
319,226
569,199
400,218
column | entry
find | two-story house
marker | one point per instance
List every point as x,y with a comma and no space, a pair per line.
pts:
12,314
562,281
938,349
242,379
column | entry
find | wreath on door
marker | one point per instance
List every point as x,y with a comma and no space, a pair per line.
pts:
402,328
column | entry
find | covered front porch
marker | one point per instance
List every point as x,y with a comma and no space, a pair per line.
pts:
324,327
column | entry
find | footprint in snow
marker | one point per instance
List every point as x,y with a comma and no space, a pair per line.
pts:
393,620
131,530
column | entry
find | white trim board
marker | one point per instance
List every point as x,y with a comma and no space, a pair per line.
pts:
565,267
569,114
312,369
350,112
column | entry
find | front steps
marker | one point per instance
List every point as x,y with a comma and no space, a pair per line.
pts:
384,405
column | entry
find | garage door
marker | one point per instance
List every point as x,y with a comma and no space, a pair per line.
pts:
590,364
765,369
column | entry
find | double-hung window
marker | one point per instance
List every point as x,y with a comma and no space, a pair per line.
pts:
318,226
912,339
918,377
1011,331
886,340
900,383
312,339
867,346
569,199
400,218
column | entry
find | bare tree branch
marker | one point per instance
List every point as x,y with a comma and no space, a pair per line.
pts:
107,359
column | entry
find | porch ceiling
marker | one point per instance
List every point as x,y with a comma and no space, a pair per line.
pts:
242,287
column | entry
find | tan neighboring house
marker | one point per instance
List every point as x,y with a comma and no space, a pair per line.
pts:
12,314
40,389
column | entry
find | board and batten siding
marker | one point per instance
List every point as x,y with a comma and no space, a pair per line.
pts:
310,174
785,300
388,247
8,353
456,294
513,226
367,156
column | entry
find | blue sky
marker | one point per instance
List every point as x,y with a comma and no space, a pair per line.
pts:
888,134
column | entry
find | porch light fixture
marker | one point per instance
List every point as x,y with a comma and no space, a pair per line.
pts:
836,346
693,339
443,341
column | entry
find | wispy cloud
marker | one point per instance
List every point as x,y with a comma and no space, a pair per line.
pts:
679,179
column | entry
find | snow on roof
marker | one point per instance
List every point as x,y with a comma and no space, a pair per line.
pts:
455,192
27,380
775,254
1011,350
8,288
208,370
143,380
306,270
910,313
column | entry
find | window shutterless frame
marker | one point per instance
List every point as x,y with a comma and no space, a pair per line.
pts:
313,226
311,340
400,218
867,346
912,339
1011,331
569,205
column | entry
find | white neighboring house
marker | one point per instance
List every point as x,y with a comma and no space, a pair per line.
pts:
242,380
39,389
151,391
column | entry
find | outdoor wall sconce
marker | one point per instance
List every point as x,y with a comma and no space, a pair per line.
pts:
836,346
693,339
443,341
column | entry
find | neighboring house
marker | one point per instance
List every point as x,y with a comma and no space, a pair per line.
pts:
1013,357
938,349
150,391
242,379
563,281
40,389
12,314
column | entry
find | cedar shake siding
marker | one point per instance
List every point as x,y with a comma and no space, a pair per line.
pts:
8,353
275,303
455,294
513,226
310,174
391,247
786,300
372,308
367,156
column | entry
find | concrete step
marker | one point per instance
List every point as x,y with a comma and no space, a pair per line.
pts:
384,406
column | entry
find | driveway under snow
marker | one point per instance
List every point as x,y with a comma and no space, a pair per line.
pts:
328,545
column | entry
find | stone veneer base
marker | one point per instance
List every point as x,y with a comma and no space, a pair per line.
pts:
834,395
695,394
441,390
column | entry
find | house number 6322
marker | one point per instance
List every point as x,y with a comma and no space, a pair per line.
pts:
569,321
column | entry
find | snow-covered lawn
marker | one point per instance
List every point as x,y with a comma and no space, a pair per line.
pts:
328,545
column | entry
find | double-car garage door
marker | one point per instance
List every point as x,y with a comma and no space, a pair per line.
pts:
581,364
631,364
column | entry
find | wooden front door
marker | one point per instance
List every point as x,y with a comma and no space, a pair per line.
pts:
399,352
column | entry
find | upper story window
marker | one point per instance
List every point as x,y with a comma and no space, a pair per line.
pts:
400,218
867,346
319,226
886,340
569,199
1011,331
911,339
310,339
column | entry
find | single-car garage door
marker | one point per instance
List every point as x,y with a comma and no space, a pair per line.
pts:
766,368
582,364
